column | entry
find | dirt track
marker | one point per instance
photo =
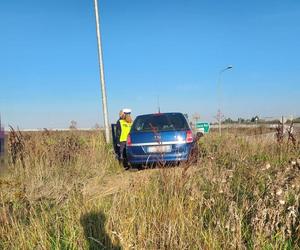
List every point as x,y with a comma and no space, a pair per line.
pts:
112,184
100,187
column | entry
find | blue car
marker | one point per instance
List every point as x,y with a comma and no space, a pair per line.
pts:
160,138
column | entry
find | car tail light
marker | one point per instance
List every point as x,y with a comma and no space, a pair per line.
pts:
189,136
128,140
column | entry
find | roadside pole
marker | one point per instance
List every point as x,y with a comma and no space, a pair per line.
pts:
102,80
219,114
220,97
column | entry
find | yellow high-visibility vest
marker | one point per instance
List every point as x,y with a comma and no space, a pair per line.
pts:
125,129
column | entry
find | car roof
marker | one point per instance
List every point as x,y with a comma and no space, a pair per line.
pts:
167,113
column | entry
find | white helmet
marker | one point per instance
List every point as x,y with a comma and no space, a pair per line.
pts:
126,111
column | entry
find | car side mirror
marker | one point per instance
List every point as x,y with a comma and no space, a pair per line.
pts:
199,135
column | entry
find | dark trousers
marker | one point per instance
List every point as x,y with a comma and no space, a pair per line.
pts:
122,148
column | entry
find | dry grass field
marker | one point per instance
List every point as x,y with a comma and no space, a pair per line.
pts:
65,190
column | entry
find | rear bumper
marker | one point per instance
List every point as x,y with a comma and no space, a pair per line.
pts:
134,158
155,159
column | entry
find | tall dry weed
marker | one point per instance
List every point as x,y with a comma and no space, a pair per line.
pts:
243,193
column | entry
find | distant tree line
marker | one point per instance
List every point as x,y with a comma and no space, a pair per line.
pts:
257,120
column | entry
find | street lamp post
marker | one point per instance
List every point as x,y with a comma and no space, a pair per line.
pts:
219,114
103,88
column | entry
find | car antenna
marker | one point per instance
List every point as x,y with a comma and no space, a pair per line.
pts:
158,104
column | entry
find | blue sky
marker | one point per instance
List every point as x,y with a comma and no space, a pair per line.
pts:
173,49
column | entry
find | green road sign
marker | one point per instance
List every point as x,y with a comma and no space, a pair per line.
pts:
203,126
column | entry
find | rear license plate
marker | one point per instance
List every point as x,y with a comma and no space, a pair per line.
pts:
160,149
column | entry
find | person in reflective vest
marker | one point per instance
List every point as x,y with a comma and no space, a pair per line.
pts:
118,132
125,125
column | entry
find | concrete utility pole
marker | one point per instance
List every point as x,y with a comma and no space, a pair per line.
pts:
103,88
219,115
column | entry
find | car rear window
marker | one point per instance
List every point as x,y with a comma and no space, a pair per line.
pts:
160,122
